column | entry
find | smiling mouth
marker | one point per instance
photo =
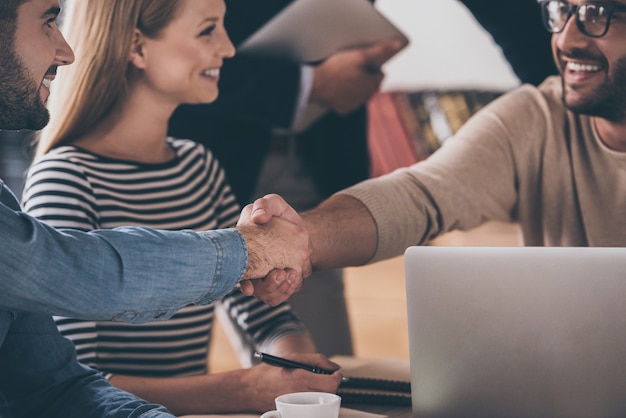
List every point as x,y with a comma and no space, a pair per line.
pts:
49,76
213,72
582,68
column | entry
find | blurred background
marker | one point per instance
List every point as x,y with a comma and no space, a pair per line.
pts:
448,49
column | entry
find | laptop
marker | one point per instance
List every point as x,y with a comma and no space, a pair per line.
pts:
517,331
311,30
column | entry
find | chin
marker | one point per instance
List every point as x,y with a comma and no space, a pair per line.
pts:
213,96
202,98
44,93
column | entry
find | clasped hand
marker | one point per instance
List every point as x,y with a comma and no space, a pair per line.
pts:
279,250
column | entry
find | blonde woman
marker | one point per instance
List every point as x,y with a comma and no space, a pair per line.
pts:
106,161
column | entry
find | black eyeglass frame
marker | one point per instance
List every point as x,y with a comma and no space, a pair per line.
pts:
572,9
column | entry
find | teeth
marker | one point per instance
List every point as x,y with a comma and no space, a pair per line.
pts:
214,72
46,82
572,66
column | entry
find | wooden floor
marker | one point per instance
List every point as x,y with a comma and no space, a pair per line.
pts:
377,303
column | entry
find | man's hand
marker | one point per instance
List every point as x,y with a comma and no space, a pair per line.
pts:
347,79
279,250
265,208
275,288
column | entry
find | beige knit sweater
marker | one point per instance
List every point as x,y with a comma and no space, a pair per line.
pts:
523,158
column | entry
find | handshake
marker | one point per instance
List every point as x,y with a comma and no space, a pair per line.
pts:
279,250
283,247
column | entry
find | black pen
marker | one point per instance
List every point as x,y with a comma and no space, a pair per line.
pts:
290,364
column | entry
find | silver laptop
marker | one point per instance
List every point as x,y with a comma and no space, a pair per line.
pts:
311,30
517,331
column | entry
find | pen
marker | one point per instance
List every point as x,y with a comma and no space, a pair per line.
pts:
290,364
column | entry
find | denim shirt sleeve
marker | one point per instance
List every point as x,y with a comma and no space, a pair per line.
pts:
131,274
39,372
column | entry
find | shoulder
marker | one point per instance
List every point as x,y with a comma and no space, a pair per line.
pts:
527,110
185,147
63,161
188,150
58,190
545,98
63,171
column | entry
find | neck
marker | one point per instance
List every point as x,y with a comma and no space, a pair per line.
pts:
135,130
613,134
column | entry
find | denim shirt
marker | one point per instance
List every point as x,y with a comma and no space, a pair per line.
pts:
134,276
41,378
130,274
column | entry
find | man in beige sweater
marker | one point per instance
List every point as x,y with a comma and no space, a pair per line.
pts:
552,158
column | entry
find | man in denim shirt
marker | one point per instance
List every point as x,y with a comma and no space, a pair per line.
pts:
130,274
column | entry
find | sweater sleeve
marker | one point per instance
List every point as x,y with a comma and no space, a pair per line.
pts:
259,324
471,179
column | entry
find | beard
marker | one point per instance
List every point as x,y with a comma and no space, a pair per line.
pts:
608,101
21,106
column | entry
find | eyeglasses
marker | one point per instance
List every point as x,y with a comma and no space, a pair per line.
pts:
592,19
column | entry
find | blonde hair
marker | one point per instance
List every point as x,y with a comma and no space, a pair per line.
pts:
101,34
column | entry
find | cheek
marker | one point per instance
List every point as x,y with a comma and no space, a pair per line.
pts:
555,54
174,64
167,73
35,62
36,52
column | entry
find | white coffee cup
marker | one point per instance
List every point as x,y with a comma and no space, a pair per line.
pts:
306,405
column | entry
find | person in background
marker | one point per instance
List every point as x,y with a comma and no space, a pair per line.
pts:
552,158
108,153
46,271
516,27
251,129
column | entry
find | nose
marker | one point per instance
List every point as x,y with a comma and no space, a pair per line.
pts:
571,36
227,48
64,54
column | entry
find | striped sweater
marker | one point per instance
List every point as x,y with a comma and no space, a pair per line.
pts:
73,188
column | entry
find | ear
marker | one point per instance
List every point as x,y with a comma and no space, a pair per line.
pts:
138,52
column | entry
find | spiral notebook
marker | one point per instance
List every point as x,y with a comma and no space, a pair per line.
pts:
374,381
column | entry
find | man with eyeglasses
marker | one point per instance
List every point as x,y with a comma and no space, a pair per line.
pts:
552,158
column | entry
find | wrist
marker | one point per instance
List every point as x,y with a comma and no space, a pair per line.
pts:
253,266
318,87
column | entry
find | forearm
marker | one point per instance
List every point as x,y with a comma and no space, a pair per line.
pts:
244,390
209,393
343,233
132,274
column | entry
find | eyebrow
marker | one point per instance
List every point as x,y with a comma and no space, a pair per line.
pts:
51,12
212,20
